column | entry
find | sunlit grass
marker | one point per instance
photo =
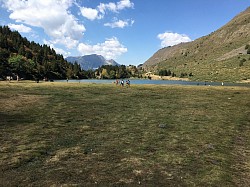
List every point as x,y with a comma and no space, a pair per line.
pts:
83,134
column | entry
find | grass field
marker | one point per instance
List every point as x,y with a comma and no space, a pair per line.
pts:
71,134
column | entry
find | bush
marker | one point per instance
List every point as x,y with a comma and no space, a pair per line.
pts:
165,73
248,50
183,75
242,62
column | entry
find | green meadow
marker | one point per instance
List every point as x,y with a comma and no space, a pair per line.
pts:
75,134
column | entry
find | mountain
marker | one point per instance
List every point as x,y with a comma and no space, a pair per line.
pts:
222,55
93,61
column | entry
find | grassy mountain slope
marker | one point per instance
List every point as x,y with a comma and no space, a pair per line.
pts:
219,56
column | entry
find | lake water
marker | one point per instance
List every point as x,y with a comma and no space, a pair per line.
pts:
155,82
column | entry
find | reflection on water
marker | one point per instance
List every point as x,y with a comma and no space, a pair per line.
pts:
156,82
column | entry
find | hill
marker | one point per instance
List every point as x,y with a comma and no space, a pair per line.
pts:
89,62
219,56
30,60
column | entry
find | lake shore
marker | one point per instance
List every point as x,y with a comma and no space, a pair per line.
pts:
244,81
157,77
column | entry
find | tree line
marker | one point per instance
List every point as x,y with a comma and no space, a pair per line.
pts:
116,72
30,60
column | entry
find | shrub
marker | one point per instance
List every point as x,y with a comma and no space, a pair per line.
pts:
242,62
183,75
165,73
248,50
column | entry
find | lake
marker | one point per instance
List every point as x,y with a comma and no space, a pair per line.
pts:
155,82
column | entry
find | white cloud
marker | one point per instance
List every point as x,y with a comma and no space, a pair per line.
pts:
170,39
66,41
116,7
90,13
110,49
51,15
124,4
119,23
102,8
20,28
109,6
58,50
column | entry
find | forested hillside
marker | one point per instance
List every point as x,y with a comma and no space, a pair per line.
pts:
30,60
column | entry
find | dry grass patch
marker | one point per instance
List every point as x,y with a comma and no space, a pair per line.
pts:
14,102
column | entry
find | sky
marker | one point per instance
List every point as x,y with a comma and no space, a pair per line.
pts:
128,31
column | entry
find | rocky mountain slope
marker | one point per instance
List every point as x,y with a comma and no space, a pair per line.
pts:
219,56
93,61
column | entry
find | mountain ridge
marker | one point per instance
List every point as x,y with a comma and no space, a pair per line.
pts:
93,61
215,57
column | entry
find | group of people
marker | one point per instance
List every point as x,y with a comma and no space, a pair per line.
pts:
121,83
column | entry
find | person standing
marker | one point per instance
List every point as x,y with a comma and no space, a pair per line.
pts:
128,82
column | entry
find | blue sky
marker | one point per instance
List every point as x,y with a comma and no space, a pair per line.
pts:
129,31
